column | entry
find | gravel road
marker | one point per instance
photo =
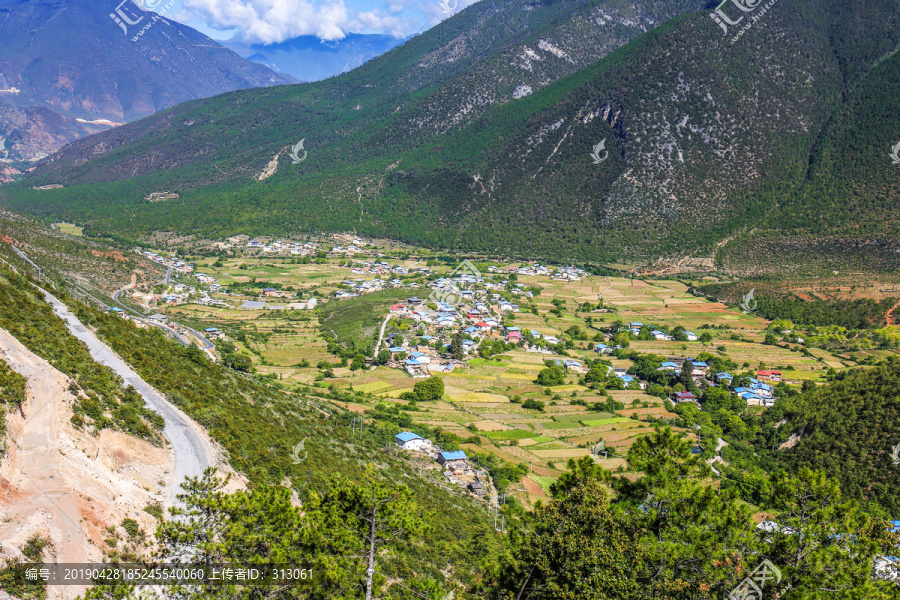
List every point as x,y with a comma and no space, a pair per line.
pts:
193,453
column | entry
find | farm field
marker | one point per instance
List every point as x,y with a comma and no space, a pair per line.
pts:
482,401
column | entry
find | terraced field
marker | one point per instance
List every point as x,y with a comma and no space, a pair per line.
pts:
478,398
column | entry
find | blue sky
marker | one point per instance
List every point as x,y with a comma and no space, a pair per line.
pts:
271,21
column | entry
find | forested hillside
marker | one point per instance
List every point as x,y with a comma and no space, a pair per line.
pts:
848,429
478,135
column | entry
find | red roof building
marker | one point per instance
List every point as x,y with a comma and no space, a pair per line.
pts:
770,375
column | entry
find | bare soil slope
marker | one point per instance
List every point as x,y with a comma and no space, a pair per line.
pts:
64,484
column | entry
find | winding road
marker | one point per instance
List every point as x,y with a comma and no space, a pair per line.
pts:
115,298
193,453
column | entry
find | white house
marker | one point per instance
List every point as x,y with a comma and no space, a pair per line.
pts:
410,441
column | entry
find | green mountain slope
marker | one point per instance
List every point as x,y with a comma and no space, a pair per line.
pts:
848,429
440,142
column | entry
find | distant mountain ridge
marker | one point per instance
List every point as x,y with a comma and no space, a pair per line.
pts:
307,58
478,135
70,57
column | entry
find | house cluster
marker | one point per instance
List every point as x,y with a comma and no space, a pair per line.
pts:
178,293
459,290
573,366
558,273
214,333
211,282
172,262
266,245
352,247
358,287
455,463
383,268
478,320
161,196
634,328
757,391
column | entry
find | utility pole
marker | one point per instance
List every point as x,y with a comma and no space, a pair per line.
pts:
370,572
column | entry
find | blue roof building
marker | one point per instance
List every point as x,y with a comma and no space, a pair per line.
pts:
406,436
449,456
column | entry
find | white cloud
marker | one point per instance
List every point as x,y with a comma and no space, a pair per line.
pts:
270,21
392,22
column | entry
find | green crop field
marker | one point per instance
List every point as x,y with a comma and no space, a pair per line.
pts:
544,481
515,434
611,421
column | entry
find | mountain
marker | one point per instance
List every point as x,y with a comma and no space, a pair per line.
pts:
557,129
307,58
68,69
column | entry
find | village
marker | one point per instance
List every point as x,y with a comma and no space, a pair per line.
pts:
480,316
541,363
466,304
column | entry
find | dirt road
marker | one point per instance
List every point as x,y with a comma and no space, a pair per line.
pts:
193,453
